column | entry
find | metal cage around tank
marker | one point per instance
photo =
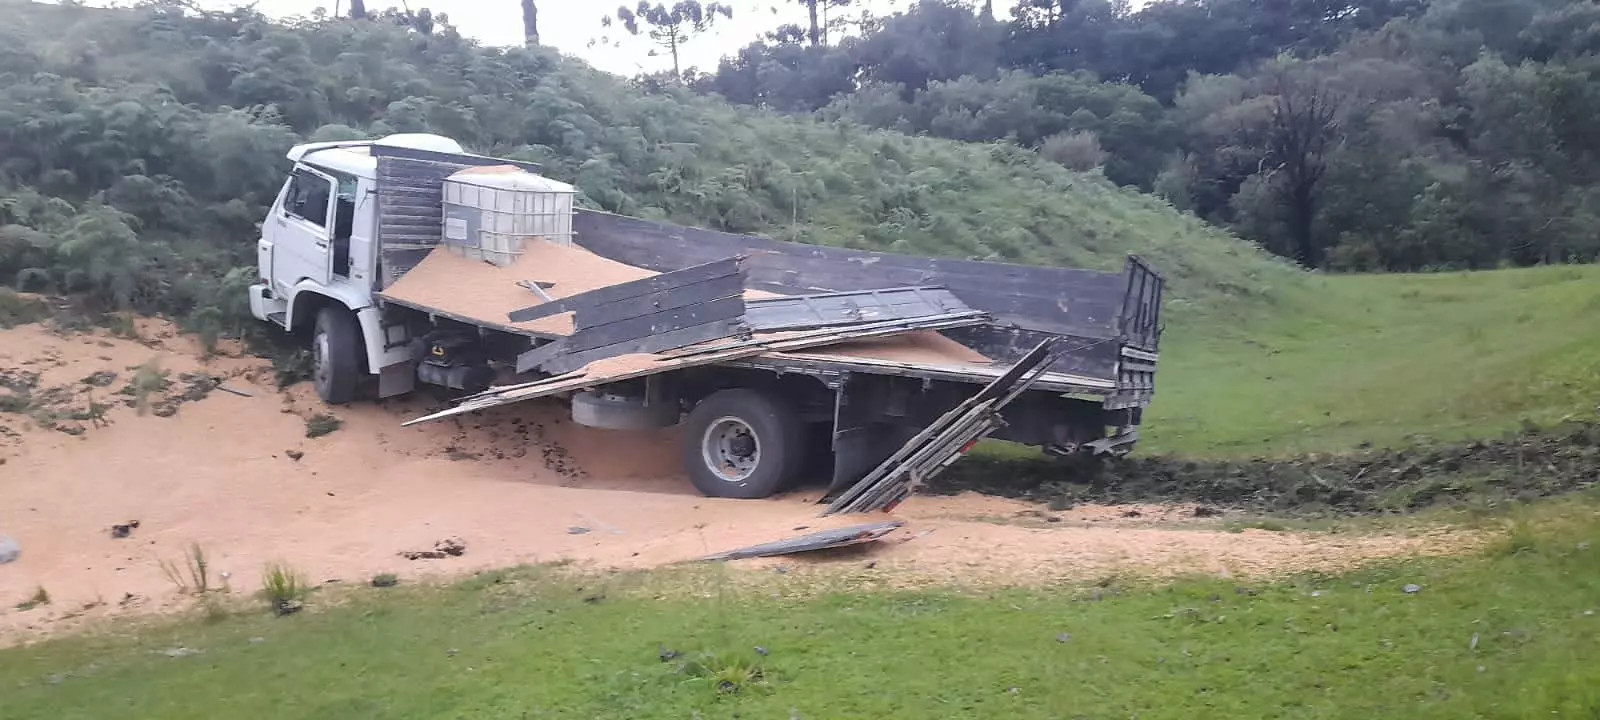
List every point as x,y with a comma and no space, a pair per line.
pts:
491,212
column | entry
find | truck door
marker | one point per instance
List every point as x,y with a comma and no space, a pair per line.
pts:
300,228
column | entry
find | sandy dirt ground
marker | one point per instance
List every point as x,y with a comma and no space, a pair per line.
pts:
239,477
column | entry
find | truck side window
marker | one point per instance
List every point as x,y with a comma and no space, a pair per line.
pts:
308,198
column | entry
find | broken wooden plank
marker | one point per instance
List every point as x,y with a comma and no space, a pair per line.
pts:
940,444
728,308
633,288
804,312
811,542
691,294
694,357
568,360
533,359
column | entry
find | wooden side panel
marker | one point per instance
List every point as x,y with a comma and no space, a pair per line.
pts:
1059,300
654,286
804,312
664,312
655,323
1076,355
728,286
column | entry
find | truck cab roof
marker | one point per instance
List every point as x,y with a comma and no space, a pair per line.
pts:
355,156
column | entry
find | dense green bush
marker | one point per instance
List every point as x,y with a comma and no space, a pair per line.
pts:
139,150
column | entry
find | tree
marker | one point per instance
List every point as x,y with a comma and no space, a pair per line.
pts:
671,27
818,12
1304,123
530,23
358,9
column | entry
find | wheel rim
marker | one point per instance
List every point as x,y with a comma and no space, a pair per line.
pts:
321,372
731,449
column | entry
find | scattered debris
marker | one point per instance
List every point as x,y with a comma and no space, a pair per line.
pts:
577,530
103,378
257,640
761,651
232,391
1205,511
384,580
448,547
1412,589
322,424
124,530
9,550
667,655
821,540
283,588
180,651
294,455
1064,637
40,598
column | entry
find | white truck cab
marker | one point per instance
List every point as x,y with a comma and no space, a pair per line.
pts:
318,260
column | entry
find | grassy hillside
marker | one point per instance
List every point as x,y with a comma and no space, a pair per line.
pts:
1510,633
168,126
1384,360
138,149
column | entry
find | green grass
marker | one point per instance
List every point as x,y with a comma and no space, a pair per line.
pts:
539,643
1386,360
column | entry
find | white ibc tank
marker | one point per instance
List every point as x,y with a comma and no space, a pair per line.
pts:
490,212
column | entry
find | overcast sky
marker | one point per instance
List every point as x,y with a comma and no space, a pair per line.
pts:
571,25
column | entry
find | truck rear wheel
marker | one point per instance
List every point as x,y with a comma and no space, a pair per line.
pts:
336,355
742,444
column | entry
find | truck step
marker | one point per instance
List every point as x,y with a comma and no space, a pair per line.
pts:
281,318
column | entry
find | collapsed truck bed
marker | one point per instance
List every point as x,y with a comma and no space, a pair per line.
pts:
781,360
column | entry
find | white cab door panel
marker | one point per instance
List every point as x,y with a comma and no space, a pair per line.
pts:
298,230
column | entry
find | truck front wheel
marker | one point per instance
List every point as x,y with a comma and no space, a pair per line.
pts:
742,444
336,355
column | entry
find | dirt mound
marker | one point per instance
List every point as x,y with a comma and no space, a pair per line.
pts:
255,476
1525,465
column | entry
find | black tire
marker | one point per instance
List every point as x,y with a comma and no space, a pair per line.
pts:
337,355
714,425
